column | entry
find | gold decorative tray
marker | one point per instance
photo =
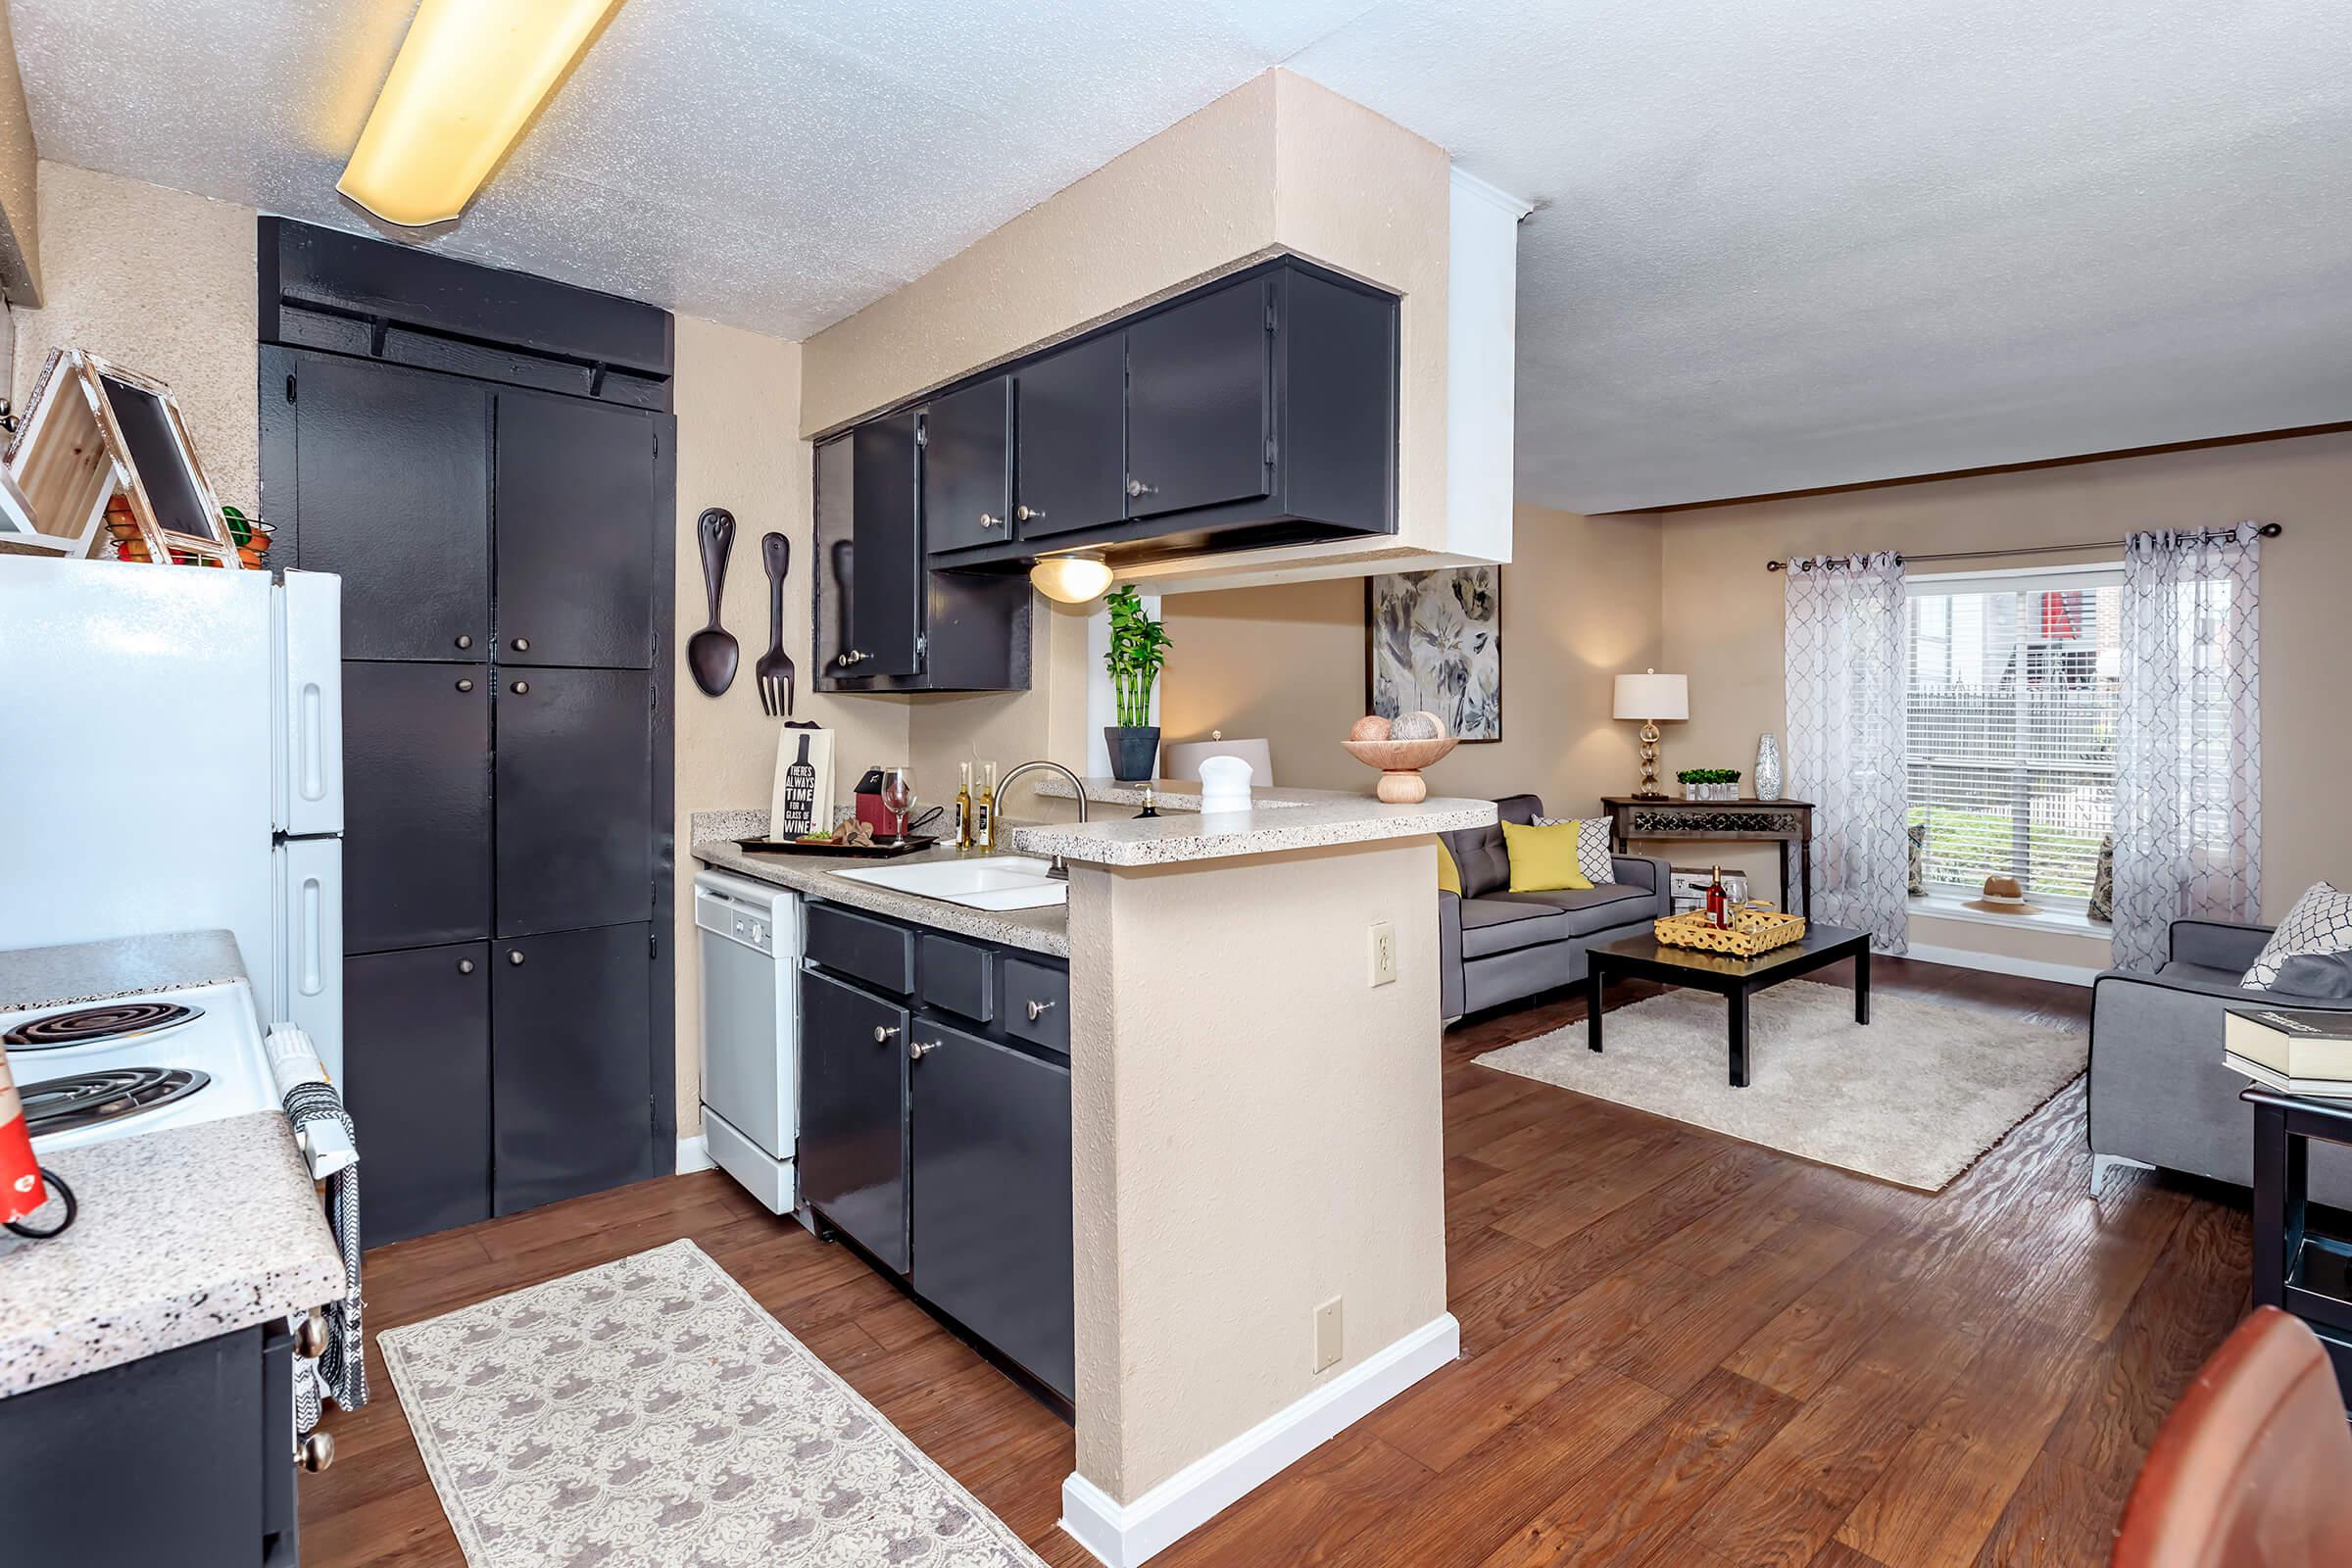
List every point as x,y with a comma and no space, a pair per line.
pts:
1755,928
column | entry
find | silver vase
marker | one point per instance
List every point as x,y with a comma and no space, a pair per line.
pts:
1768,768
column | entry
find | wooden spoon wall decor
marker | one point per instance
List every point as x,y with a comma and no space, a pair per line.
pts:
711,654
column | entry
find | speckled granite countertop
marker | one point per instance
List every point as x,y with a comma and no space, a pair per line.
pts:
184,1234
92,971
1036,930
1280,821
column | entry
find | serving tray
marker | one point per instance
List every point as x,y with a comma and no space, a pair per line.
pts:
1755,929
887,849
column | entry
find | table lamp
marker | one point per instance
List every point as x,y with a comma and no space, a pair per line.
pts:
1650,697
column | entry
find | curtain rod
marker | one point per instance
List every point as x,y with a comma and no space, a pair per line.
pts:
2268,530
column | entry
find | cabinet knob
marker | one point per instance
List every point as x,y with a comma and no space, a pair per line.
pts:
918,1049
464,641
884,1033
852,656
1137,487
522,688
1024,514
465,967
316,1452
991,521
522,645
310,1339
1038,1009
513,955
466,685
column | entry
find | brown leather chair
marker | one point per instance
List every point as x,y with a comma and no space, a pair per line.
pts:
2253,1468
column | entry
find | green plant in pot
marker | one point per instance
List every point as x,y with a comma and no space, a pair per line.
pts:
1139,646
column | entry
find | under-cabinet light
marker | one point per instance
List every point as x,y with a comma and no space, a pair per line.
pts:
1071,579
467,79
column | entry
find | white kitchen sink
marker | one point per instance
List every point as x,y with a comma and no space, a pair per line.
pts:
992,882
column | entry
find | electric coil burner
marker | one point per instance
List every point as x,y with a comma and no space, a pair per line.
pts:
91,1099
119,1021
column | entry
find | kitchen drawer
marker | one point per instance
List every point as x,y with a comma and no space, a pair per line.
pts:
959,977
1037,1004
876,951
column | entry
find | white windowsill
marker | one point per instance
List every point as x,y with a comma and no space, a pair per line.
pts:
2071,922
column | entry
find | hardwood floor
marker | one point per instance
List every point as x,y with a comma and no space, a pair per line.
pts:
1678,1349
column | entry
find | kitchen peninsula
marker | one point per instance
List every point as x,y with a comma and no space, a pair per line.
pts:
1257,1160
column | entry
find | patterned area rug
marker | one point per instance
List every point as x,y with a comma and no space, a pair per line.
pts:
649,1412
1914,1098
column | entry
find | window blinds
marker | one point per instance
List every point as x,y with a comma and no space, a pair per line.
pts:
2012,704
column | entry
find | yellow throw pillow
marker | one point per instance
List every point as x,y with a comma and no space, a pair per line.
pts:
1450,876
1542,858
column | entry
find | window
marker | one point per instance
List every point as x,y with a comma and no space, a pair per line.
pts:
2012,701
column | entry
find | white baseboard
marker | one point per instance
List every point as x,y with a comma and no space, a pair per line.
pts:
1125,1535
2073,974
693,1153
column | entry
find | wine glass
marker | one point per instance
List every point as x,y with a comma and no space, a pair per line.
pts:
898,796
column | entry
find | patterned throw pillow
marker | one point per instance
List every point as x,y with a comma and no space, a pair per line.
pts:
2321,922
1919,859
2102,884
1593,857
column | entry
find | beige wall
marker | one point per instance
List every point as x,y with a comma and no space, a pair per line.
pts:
161,283
1224,1190
1724,625
1580,604
737,395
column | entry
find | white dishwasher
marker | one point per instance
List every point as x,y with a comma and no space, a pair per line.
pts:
750,951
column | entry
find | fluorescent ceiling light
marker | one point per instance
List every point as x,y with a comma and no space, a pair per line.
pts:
1071,579
470,77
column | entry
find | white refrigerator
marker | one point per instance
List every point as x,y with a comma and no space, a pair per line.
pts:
172,760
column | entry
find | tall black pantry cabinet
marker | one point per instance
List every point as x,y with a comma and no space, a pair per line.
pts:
502,520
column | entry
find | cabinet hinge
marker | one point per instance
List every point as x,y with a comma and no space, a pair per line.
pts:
1269,315
922,430
289,387
652,944
922,643
1269,452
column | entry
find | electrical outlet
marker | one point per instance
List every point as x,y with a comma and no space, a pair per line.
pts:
1384,954
1328,1337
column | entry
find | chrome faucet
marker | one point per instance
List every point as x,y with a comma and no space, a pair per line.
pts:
1057,871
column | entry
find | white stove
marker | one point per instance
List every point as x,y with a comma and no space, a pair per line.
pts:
131,1065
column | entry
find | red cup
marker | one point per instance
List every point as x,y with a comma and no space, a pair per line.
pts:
21,1190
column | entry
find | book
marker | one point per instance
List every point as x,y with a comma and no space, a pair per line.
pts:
2296,1042
2316,1088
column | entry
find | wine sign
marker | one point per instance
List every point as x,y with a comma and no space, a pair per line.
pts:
802,801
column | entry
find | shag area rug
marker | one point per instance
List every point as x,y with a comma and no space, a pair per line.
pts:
649,1412
1914,1098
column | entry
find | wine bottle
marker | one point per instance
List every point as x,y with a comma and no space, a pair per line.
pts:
984,809
1718,912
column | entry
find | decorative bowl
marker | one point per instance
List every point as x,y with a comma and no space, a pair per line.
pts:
1401,764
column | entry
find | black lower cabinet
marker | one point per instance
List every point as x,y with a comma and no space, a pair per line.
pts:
417,1081
570,1072
184,1457
852,1155
991,1143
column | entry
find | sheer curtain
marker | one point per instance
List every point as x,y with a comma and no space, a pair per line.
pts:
1845,651
2188,744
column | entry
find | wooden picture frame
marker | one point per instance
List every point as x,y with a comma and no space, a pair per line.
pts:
94,431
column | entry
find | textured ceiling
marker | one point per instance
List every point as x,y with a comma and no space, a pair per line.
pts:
1779,246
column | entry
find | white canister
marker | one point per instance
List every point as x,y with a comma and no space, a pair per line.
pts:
1224,784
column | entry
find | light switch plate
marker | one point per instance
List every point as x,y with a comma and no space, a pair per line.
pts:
1329,1338
1384,953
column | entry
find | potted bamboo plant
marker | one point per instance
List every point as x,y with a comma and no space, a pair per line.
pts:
1139,646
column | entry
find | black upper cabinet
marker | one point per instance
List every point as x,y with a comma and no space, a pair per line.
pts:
417,804
575,791
968,467
569,1073
1072,472
886,600
392,475
1200,390
575,564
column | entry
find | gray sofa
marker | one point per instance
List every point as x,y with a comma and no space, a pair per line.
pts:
2158,1093
1495,946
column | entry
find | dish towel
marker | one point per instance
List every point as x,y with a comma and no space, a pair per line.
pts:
330,1143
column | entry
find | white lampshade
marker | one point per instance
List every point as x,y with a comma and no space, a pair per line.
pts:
1651,695
1073,580
1181,758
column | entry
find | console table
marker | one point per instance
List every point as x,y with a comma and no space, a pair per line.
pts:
1788,822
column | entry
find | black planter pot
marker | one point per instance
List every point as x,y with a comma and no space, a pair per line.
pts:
1134,751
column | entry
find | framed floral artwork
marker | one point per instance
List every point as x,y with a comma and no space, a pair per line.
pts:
1434,641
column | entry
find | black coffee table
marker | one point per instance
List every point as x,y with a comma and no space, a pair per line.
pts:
1733,979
